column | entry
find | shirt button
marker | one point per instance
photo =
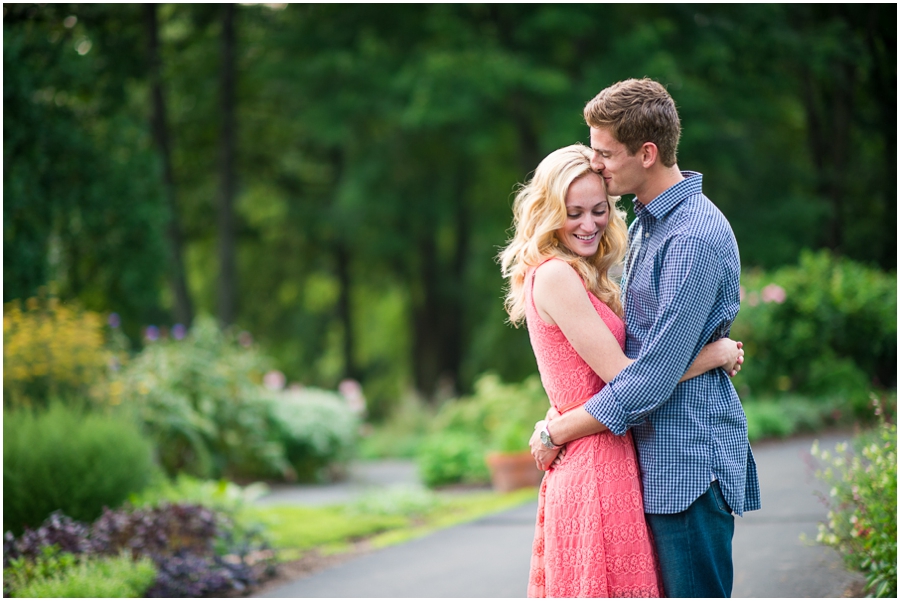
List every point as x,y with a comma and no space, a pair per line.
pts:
647,235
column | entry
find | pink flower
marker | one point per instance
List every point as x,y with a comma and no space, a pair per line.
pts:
773,293
274,380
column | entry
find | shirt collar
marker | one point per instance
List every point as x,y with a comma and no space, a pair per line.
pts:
660,206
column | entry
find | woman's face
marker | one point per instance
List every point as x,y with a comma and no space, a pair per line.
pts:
587,214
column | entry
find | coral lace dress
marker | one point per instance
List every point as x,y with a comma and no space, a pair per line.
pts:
591,539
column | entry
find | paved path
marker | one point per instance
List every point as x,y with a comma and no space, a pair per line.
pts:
489,557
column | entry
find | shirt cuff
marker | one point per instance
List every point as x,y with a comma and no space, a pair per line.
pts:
604,408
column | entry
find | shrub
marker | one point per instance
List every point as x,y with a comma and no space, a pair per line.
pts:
194,548
495,410
201,401
19,572
497,416
862,521
69,460
95,577
451,457
826,327
792,414
52,350
317,429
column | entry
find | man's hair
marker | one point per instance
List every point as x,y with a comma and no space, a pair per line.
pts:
637,111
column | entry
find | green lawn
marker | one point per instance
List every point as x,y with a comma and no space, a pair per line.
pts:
293,529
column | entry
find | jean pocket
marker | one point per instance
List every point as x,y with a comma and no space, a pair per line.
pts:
721,503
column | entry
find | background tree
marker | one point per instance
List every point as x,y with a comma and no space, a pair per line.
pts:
378,150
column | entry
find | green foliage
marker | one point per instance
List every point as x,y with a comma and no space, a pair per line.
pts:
497,416
221,495
494,410
201,401
826,327
401,500
375,260
401,434
94,577
862,521
317,429
451,457
82,197
22,571
787,415
69,460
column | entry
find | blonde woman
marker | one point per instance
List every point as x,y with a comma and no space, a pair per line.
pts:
591,539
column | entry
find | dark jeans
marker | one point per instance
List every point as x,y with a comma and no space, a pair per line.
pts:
694,547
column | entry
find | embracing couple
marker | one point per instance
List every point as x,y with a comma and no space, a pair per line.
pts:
646,450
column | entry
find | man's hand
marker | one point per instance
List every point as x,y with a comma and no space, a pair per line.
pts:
543,456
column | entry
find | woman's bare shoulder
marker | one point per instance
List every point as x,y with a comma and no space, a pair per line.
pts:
556,277
554,268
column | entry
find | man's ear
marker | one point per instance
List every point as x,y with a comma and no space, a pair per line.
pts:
649,154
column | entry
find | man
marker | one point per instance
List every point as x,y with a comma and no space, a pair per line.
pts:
681,290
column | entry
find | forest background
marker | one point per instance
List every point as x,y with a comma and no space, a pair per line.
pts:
337,180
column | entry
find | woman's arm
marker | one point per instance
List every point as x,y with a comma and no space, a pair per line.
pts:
561,300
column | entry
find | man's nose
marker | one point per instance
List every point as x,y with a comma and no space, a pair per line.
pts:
596,163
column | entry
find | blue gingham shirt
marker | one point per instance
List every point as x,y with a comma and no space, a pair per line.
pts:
681,290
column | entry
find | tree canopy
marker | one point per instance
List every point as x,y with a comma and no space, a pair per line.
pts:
376,149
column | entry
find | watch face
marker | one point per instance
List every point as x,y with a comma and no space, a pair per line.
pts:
545,438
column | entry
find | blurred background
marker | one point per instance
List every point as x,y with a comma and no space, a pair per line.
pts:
261,238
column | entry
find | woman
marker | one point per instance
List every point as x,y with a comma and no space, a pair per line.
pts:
591,539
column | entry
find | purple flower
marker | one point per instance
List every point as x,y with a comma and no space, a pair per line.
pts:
113,320
151,333
178,331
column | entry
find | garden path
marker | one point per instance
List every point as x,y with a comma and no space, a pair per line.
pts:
489,557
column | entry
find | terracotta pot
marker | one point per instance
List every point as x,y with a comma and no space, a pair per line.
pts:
511,471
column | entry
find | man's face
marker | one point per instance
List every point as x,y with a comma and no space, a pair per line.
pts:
622,172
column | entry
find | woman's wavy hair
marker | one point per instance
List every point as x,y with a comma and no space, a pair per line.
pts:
539,211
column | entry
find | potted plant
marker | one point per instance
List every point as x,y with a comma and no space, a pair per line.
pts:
510,462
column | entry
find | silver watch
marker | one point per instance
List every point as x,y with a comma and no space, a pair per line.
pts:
545,438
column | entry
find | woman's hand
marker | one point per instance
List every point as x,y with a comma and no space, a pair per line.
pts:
732,353
543,457
724,353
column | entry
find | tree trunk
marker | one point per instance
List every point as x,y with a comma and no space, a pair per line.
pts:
345,308
427,311
342,264
183,307
227,291
439,334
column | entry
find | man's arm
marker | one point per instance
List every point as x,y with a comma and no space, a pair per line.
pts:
687,285
574,424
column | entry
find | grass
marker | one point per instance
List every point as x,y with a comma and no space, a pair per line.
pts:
294,530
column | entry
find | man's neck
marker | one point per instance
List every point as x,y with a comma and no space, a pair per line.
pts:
657,183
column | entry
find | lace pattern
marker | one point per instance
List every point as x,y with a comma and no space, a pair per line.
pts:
591,538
